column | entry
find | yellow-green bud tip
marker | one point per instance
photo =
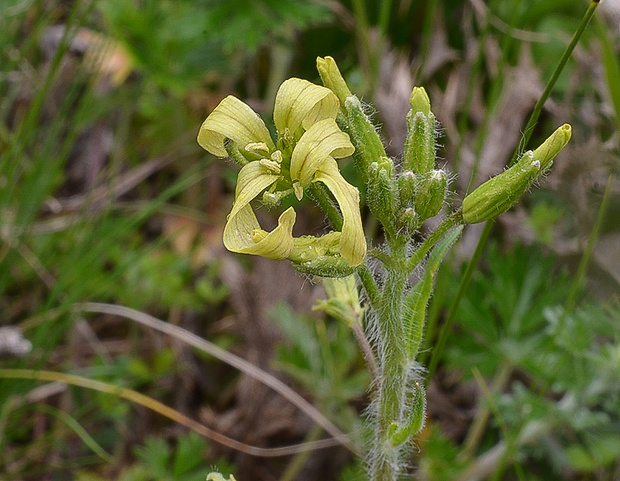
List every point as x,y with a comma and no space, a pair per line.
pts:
332,78
419,101
551,147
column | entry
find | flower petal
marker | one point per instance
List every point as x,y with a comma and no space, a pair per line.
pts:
232,119
277,244
253,178
300,103
352,241
322,141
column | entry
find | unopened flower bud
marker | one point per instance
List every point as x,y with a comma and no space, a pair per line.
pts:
332,78
368,145
408,221
551,147
501,192
419,152
343,302
406,188
419,101
430,193
381,190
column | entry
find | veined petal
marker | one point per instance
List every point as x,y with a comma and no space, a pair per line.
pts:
300,103
232,119
253,178
322,141
352,241
276,244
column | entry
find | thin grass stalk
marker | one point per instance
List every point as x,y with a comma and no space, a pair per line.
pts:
160,408
579,278
471,266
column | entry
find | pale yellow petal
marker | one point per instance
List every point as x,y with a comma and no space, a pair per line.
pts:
253,179
276,244
352,240
300,104
232,119
322,141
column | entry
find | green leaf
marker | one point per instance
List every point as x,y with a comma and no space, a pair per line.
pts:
416,301
156,455
189,454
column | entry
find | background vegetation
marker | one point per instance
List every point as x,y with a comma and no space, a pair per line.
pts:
107,202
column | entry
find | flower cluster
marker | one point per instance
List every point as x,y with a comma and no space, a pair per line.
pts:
304,152
401,196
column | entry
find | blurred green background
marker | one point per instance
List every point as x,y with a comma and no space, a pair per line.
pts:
106,198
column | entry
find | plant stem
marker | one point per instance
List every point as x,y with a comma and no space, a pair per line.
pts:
369,355
447,326
578,280
478,427
367,55
297,463
392,359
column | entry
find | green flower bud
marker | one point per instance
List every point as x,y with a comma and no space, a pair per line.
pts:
407,188
343,302
501,192
498,194
419,101
382,191
408,221
419,152
430,193
368,145
332,78
551,147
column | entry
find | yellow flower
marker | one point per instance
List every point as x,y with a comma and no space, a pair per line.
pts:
308,142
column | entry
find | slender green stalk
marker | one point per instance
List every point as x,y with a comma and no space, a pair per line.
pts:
612,67
571,298
478,426
437,351
368,58
297,463
427,33
447,326
555,76
432,239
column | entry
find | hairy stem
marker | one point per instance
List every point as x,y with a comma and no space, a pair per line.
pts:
392,356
